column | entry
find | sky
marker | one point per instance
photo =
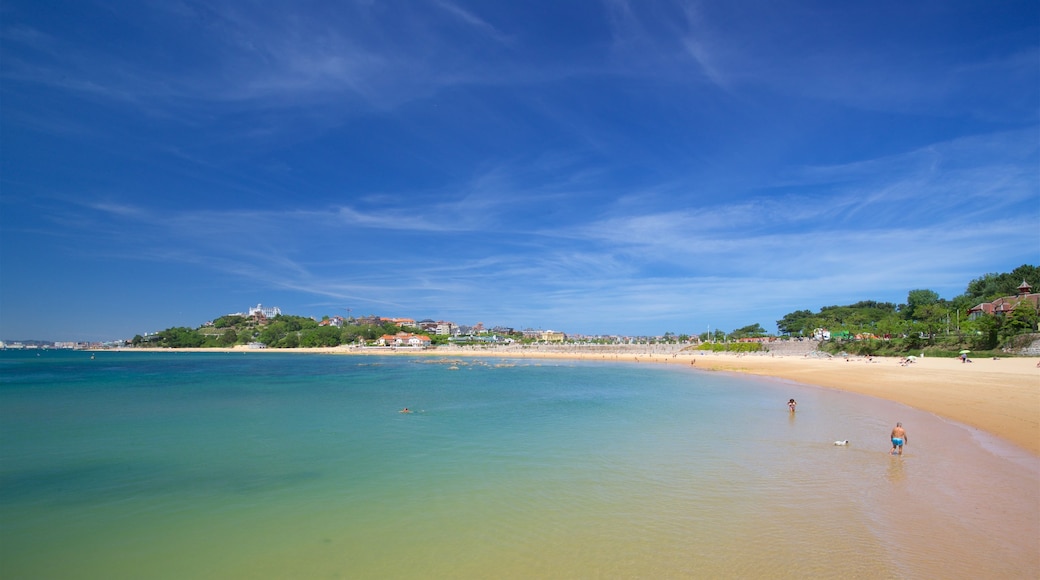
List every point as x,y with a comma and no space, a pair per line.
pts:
592,167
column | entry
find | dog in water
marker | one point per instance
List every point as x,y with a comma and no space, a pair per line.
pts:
845,442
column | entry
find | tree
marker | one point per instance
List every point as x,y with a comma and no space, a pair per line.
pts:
750,331
797,323
229,320
917,299
992,286
1022,318
985,332
932,318
229,338
717,335
372,332
321,336
181,337
349,334
891,325
291,340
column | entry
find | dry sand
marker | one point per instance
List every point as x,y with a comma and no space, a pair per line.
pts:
1001,397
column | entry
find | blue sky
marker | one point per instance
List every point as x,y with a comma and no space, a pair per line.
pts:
595,167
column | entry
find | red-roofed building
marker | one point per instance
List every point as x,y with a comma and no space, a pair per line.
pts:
1007,303
405,339
336,321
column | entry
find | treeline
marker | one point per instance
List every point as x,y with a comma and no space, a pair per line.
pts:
926,319
284,331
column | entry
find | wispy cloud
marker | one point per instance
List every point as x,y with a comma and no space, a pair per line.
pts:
472,20
866,236
607,165
701,46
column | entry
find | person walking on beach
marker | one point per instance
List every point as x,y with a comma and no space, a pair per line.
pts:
792,404
899,438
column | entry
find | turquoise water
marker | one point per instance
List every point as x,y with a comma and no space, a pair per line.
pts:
285,465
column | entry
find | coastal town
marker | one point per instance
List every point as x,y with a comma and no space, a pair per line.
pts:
245,329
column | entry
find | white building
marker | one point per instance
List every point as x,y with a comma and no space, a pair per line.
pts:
266,312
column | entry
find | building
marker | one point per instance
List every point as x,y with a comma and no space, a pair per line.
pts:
409,322
265,312
439,327
445,328
404,339
1007,303
553,336
336,321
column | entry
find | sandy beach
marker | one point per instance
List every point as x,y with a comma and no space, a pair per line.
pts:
1000,397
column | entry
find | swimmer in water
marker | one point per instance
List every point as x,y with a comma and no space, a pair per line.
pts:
791,404
405,410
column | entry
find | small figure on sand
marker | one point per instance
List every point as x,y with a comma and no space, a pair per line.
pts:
899,439
792,404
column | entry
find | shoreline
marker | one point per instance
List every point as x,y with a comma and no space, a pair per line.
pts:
998,396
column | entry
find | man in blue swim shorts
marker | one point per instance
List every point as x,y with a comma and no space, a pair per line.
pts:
898,439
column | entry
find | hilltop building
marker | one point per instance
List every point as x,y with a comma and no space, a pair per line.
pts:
336,321
265,312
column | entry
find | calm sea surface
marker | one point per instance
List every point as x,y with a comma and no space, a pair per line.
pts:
284,465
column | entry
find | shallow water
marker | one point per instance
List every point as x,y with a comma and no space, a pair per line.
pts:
275,465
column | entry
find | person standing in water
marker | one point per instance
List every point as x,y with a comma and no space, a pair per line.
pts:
899,439
792,404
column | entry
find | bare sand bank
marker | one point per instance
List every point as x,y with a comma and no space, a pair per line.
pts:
1001,397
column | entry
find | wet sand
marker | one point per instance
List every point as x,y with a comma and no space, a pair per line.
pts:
1001,397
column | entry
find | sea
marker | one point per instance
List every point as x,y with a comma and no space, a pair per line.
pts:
286,465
